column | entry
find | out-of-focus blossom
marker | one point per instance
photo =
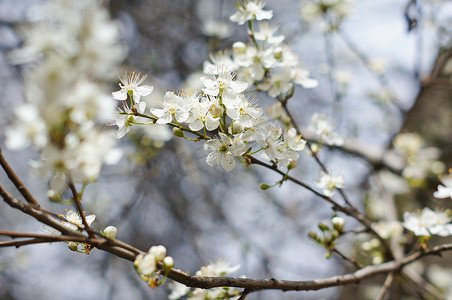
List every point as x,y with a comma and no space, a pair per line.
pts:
253,10
328,183
428,222
319,124
445,190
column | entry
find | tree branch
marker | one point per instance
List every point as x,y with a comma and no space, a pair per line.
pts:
17,182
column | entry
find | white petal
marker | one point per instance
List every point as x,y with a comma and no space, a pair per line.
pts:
120,95
228,162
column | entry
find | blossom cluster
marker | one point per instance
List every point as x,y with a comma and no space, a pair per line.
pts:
215,269
330,12
420,160
223,109
74,47
264,62
146,264
428,222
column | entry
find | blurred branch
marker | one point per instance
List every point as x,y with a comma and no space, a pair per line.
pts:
17,182
381,294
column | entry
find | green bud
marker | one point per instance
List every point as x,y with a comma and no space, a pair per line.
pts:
338,223
334,234
323,227
264,186
110,231
54,196
292,165
73,246
313,235
178,132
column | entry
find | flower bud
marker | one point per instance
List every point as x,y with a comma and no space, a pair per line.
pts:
264,186
53,196
158,251
168,262
313,235
338,223
145,264
73,246
178,132
110,232
323,227
292,165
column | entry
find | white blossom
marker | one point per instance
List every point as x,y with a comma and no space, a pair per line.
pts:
445,190
328,183
319,124
266,33
130,83
428,222
201,116
223,151
252,10
74,221
225,84
173,106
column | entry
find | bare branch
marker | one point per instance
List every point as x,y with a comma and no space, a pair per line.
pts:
17,182
381,294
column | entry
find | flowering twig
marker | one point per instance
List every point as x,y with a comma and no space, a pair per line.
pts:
78,205
353,212
349,259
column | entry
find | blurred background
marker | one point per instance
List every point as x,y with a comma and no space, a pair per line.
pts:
386,68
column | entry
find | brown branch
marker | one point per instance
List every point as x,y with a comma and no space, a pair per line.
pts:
288,285
113,246
17,182
78,205
349,259
116,247
382,292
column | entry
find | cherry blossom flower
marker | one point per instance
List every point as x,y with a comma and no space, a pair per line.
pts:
445,190
74,221
130,84
200,116
252,10
242,111
173,106
225,84
294,140
266,33
428,222
223,151
328,183
319,124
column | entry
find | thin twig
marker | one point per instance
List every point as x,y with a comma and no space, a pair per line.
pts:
79,207
349,259
381,294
